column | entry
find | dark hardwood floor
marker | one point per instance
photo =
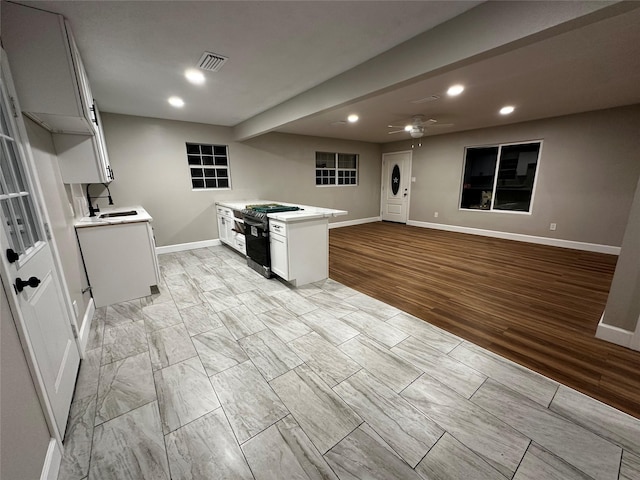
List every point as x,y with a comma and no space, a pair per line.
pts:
536,305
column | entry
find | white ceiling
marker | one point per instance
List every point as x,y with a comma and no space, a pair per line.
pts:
135,53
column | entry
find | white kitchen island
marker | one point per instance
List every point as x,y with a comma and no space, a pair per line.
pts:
299,240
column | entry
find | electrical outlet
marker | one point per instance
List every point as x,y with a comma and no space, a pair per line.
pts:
435,214
552,226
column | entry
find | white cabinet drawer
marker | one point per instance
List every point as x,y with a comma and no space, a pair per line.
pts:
239,243
225,211
277,227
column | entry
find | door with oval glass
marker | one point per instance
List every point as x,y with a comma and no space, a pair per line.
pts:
396,181
32,281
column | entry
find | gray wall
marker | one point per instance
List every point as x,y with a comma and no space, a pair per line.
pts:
586,180
24,436
57,200
149,160
623,304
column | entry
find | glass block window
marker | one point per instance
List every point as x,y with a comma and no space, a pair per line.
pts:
208,166
336,168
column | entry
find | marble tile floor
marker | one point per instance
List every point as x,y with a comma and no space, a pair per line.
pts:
227,375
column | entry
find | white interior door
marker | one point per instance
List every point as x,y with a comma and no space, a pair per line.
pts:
396,181
27,262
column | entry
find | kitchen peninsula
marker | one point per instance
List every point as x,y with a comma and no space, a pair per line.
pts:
295,243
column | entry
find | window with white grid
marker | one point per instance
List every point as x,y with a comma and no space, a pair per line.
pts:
336,168
209,166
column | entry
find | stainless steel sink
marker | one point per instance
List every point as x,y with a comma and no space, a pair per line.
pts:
128,213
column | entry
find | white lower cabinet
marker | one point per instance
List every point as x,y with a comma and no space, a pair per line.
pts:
300,250
224,229
120,260
279,255
230,229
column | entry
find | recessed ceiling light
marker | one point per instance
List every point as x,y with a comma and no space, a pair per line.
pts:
176,102
507,110
194,76
455,90
353,118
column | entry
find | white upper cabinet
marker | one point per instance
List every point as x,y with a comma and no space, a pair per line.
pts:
54,90
50,80
83,158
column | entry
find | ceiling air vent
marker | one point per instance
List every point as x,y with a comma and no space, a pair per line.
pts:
430,98
211,62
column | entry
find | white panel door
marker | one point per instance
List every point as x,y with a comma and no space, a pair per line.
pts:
27,262
396,180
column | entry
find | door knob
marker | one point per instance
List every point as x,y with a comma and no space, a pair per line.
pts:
12,256
33,282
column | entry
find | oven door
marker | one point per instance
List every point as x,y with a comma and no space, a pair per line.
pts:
256,235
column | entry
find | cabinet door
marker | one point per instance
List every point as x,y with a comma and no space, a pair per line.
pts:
79,158
279,256
223,229
46,68
103,157
118,274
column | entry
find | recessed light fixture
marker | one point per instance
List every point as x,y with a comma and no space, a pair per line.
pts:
176,102
455,90
353,118
194,76
507,110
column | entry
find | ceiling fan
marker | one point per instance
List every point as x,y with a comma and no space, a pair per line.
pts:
417,126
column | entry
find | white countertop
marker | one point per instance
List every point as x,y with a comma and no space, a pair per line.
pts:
141,216
307,212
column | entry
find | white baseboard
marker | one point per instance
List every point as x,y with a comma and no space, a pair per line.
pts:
181,247
51,461
85,326
616,335
358,221
554,242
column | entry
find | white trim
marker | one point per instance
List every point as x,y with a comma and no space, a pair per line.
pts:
634,342
612,334
358,221
83,334
52,461
181,247
554,242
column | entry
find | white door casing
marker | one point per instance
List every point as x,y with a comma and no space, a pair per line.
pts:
31,275
396,182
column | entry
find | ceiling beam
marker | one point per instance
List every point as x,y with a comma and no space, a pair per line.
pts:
487,30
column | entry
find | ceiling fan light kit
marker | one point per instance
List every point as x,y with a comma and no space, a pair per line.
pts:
417,126
417,132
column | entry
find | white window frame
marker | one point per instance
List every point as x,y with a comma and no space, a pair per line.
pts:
336,170
495,178
226,167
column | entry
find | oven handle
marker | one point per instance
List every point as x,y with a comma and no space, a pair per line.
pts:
254,223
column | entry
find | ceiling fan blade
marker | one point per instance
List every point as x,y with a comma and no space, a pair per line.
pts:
397,126
397,131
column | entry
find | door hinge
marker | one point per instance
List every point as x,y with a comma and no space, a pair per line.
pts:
47,231
13,107
75,330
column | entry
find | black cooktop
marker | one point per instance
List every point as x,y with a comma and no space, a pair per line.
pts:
272,208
